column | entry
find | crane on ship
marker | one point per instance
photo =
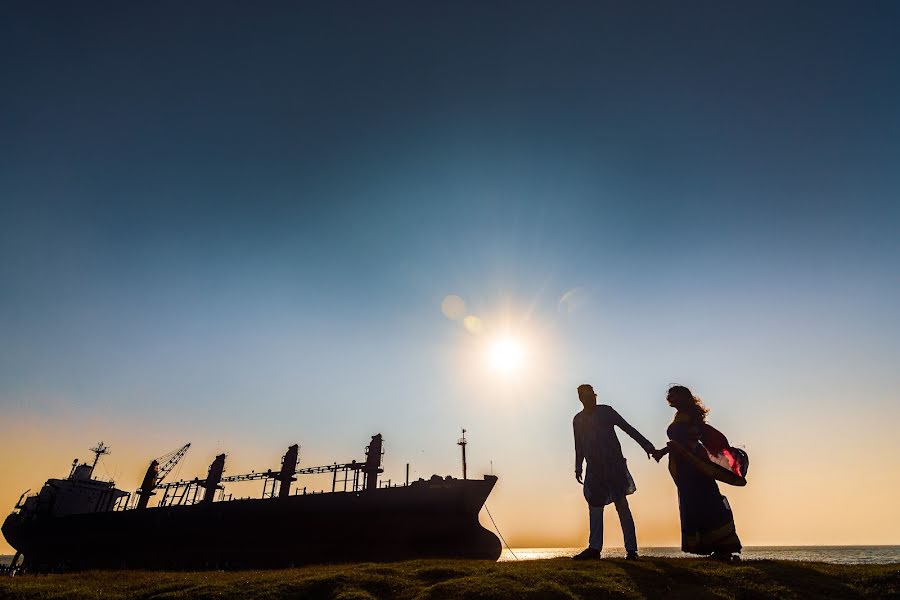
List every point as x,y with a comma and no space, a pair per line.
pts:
157,471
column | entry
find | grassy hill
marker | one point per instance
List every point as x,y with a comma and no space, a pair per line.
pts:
442,579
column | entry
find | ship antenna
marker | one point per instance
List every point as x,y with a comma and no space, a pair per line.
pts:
462,444
98,450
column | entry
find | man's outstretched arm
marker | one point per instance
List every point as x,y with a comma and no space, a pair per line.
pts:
634,433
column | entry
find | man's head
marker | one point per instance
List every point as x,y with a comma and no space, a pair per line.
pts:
587,395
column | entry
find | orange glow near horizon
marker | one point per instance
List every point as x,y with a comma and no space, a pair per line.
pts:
536,503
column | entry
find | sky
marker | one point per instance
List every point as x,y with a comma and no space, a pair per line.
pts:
239,225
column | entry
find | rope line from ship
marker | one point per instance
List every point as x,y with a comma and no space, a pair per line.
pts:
498,531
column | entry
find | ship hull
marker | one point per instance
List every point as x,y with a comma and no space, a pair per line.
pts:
436,518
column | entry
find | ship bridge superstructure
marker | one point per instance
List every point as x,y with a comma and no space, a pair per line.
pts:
80,492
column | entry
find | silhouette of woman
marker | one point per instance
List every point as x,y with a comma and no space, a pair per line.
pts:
707,523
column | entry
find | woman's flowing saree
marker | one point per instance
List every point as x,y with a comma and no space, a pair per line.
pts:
714,457
707,523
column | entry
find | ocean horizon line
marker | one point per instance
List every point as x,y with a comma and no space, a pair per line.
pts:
834,553
838,554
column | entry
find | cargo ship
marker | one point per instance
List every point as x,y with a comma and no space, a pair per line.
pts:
83,522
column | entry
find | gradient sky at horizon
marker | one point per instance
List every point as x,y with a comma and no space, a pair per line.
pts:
234,225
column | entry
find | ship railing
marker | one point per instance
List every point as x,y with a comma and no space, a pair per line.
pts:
180,493
345,477
122,502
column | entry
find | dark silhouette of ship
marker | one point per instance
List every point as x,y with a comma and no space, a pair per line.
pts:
82,522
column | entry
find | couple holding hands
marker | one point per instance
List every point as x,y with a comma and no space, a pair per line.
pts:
698,457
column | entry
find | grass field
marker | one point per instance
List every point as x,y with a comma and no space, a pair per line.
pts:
556,578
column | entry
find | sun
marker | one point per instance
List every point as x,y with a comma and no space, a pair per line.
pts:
506,355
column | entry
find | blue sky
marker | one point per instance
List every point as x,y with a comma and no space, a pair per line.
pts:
239,223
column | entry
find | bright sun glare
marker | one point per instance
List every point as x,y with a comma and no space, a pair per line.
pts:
506,355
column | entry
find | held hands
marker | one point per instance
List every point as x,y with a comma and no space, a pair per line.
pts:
656,454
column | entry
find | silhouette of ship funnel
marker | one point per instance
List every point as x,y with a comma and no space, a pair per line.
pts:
82,522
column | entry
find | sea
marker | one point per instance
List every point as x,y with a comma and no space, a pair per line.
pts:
847,555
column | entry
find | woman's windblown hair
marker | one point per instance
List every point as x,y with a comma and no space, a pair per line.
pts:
682,399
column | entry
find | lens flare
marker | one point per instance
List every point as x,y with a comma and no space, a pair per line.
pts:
453,307
473,325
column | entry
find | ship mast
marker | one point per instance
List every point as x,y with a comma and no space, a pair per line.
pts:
98,450
462,444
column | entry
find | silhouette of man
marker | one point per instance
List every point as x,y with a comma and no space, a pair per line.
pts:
607,479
